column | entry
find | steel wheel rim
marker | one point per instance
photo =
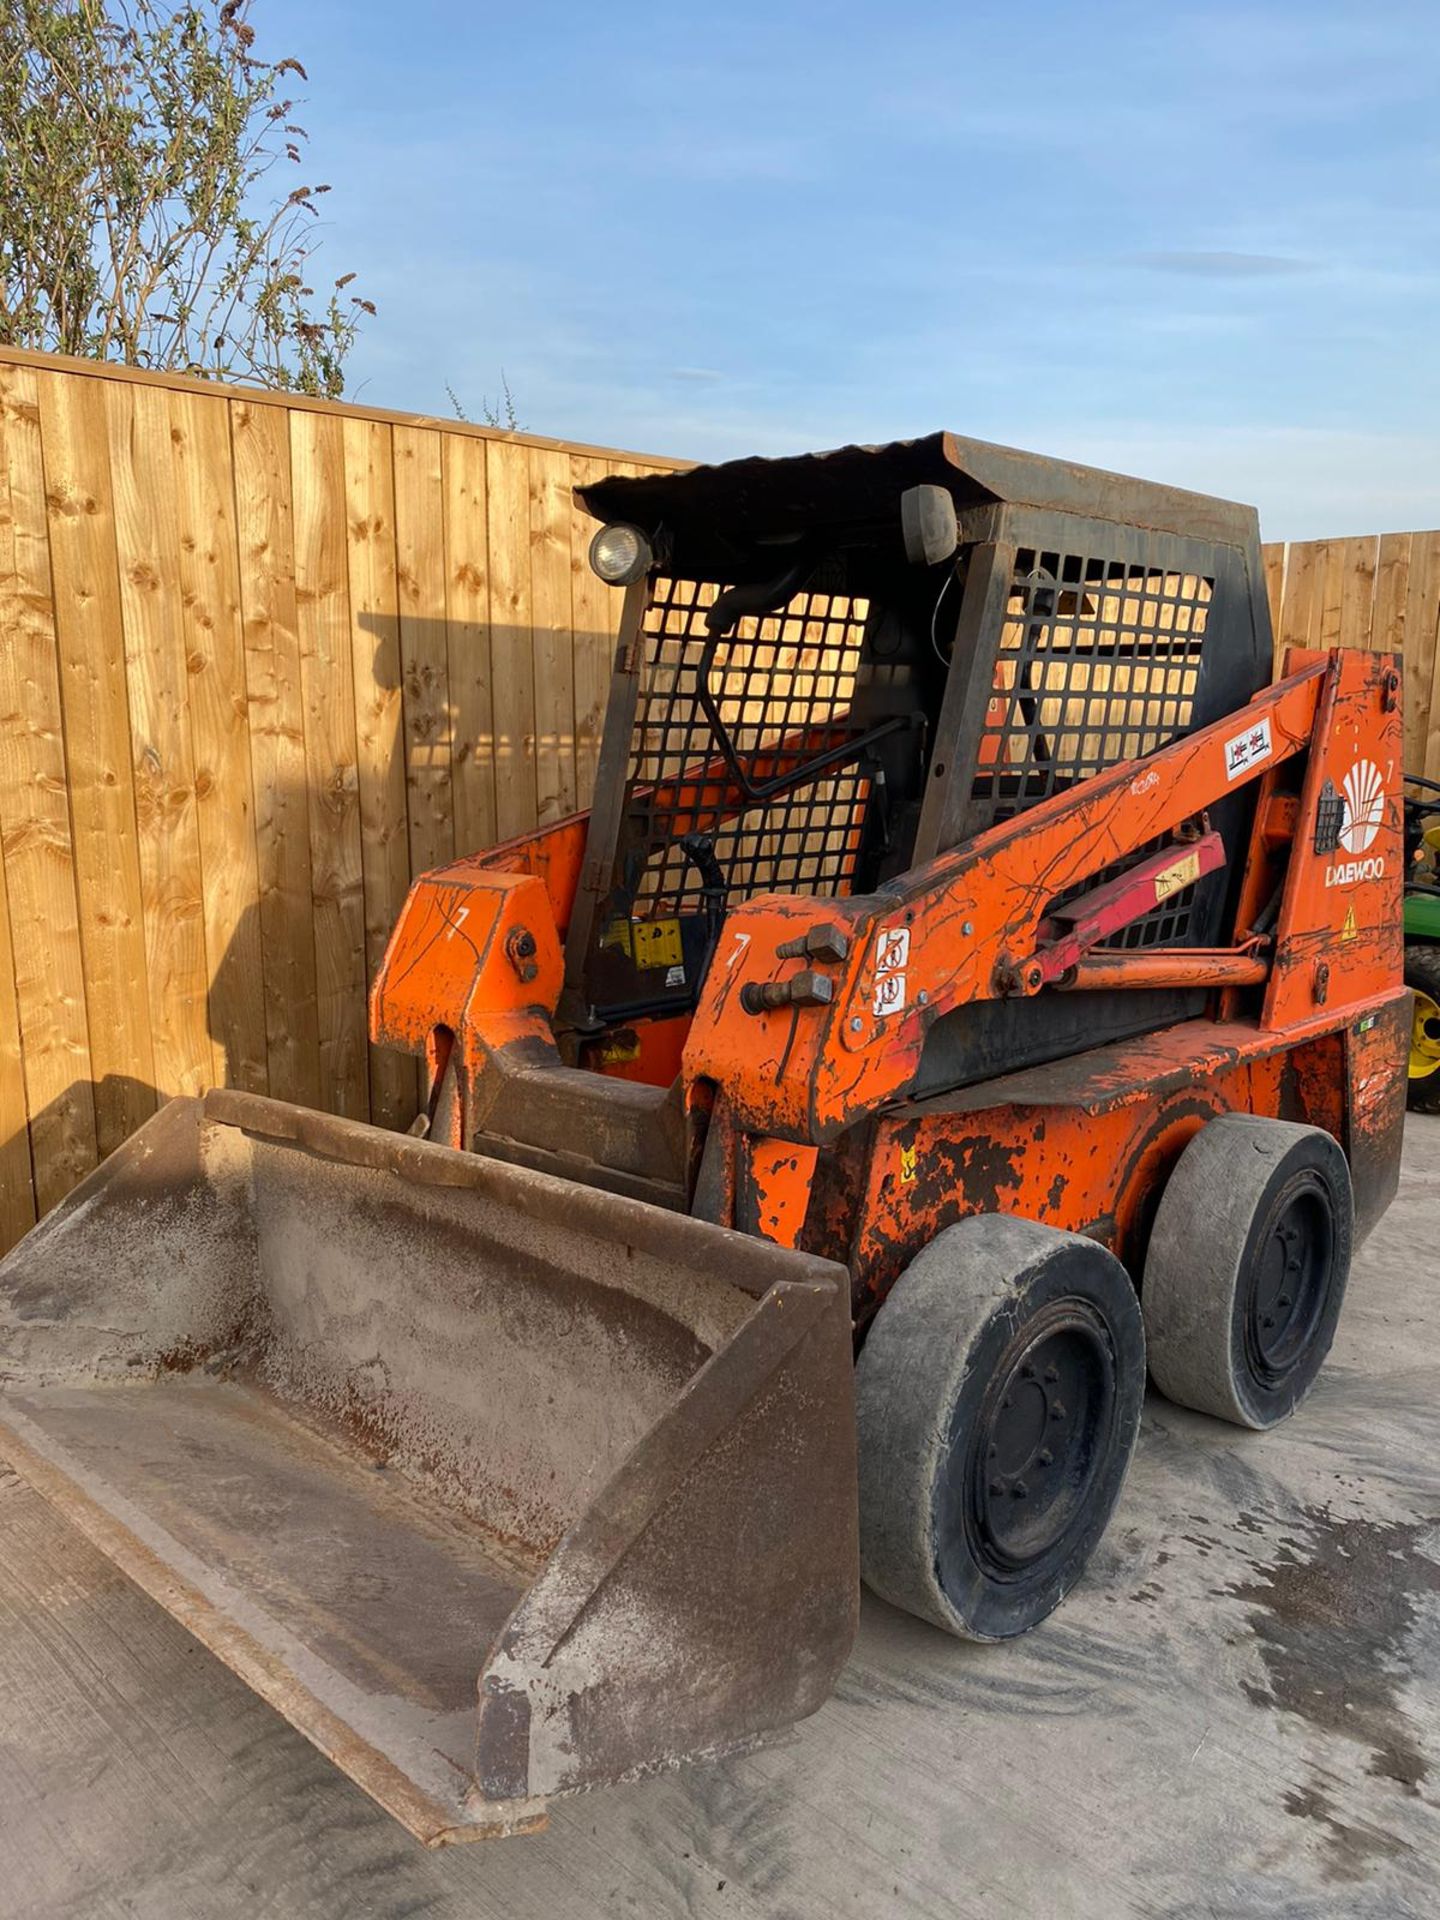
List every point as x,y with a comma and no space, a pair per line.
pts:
1041,1440
1424,1037
1290,1281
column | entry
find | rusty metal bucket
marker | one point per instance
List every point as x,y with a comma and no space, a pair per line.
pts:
496,1487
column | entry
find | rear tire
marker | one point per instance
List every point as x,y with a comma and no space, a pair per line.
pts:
998,1399
1422,976
1246,1270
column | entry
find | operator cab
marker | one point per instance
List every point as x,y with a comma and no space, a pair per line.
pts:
834,667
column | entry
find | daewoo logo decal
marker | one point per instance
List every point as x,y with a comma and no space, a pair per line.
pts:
1364,792
1363,797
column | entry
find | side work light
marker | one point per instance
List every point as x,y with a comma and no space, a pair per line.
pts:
620,554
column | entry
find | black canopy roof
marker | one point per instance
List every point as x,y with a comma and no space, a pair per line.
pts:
768,499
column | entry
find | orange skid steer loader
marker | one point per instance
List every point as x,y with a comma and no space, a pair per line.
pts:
970,960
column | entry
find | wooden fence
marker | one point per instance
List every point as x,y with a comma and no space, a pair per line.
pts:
1373,590
261,660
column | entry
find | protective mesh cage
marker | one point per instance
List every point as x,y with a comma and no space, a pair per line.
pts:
783,684
1098,663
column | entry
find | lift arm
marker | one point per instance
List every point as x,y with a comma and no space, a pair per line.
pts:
968,926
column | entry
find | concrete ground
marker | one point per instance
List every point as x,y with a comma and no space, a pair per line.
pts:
1237,1714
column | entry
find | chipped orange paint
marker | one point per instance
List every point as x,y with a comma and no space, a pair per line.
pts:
775,1177
1081,1144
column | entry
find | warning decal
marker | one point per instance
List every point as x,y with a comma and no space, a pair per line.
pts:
1180,873
1248,749
892,956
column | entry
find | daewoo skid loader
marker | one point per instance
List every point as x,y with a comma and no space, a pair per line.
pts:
970,960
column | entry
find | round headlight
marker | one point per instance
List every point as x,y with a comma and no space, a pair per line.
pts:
620,555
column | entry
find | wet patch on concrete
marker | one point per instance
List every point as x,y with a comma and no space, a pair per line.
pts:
1351,1846
1332,1613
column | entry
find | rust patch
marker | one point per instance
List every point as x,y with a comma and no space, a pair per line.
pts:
987,1171
1333,1615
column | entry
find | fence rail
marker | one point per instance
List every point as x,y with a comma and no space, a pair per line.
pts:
262,659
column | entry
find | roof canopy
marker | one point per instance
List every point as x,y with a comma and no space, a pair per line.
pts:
768,499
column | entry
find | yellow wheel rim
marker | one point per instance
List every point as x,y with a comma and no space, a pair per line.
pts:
1424,1037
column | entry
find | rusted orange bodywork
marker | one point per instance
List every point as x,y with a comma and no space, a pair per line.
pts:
1087,1144
802,1123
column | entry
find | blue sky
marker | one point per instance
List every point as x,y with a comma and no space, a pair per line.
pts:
1197,242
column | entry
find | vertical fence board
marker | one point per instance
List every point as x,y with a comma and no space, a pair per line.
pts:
17,1187
553,634
380,757
1327,611
420,588
512,664
157,677
97,741
35,838
1422,632
317,448
467,603
1357,592
260,444
220,732
1392,584
1300,611
1388,618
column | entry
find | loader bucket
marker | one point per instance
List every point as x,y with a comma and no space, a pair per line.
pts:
495,1486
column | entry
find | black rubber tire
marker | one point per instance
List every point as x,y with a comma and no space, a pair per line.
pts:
1422,975
1238,1317
951,1423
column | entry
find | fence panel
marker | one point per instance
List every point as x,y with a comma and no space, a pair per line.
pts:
1373,591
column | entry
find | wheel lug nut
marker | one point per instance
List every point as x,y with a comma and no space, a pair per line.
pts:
1019,1491
997,1486
1052,1374
1006,1404
1057,1411
1268,1321
1045,1457
1284,1299
1027,1372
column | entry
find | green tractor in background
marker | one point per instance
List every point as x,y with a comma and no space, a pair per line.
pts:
1422,940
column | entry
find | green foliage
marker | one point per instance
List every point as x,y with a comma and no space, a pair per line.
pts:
135,220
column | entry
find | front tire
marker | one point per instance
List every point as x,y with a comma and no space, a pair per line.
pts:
998,1400
1246,1270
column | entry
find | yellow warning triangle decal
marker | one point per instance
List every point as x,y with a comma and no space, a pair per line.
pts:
1349,930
